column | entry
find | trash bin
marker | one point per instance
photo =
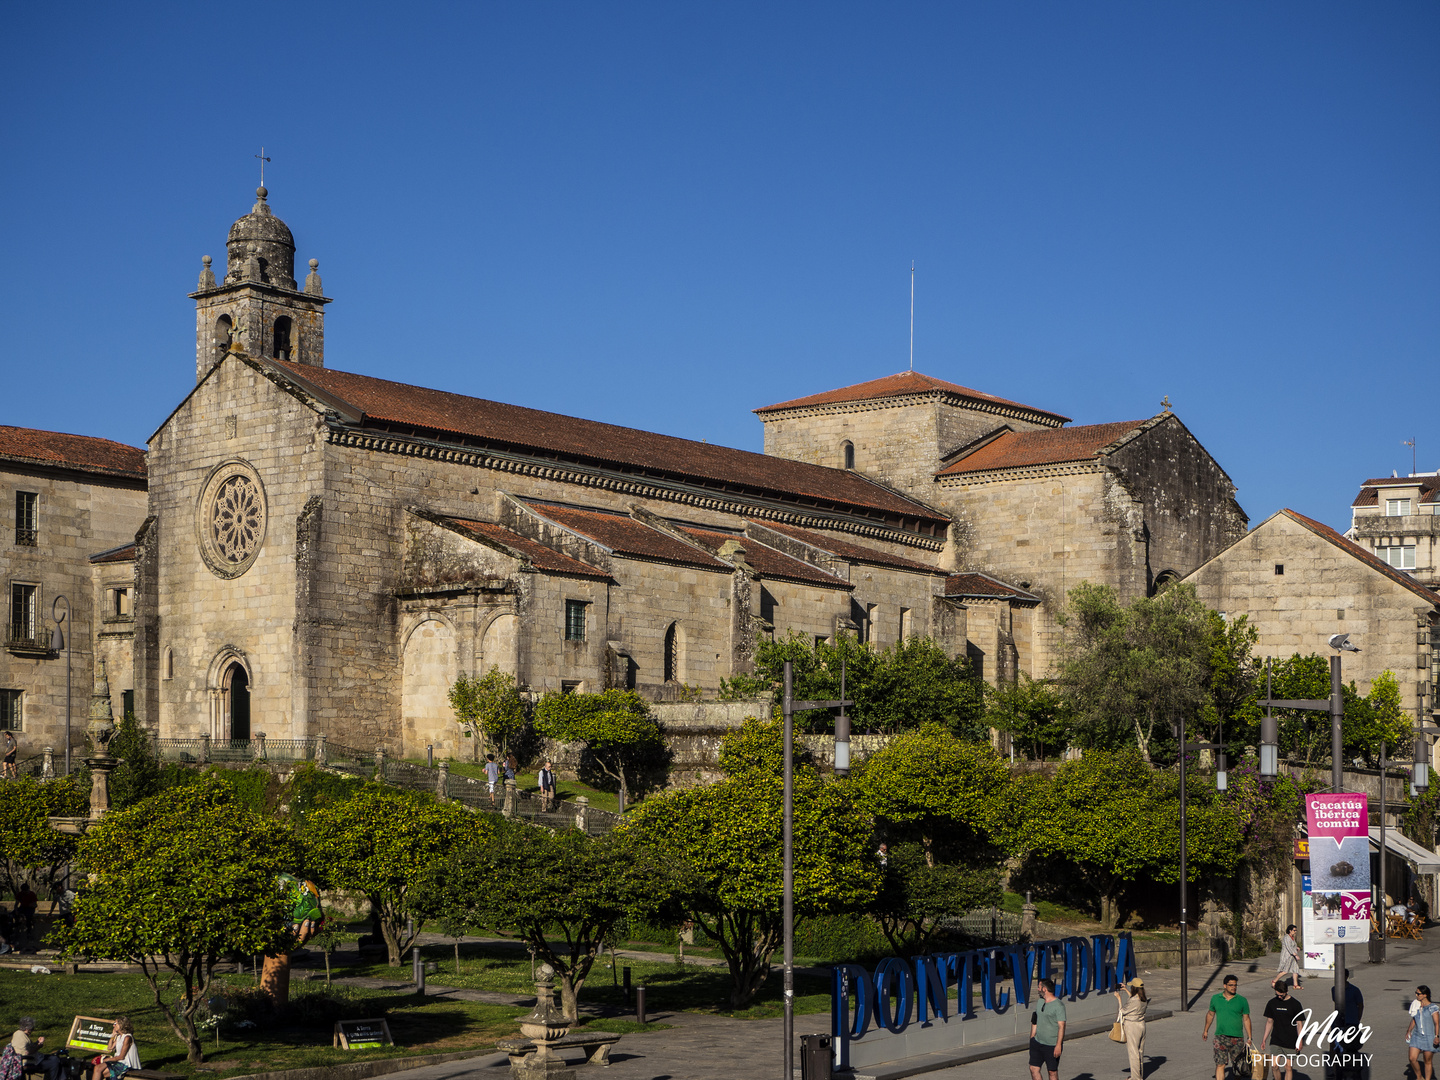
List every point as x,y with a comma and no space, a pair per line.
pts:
1377,949
815,1057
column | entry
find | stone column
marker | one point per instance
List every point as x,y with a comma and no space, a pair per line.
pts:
442,781
47,768
1029,914
320,749
380,765
582,807
204,749
259,746
507,807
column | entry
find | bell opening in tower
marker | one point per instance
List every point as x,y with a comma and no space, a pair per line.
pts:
281,345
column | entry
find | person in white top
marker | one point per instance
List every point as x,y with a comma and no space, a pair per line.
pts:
120,1056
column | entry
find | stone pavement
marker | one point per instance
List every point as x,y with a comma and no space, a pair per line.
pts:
701,1047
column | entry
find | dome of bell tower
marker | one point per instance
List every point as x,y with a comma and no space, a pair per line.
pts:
260,248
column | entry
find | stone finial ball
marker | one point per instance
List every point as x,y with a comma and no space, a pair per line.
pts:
314,264
545,972
206,259
261,192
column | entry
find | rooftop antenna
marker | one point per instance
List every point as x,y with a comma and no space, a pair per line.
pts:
1410,442
263,160
912,314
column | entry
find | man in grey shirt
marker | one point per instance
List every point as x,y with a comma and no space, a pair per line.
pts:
1047,1032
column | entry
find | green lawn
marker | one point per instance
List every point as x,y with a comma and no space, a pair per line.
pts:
528,781
1048,912
300,1039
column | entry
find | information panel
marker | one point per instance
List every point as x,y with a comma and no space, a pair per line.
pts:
1339,867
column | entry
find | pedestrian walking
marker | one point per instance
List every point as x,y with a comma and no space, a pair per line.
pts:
26,903
1047,1032
1423,1034
511,766
1230,1013
1132,1022
492,776
1282,1031
1291,965
8,748
547,785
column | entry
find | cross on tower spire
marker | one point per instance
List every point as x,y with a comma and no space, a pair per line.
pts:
263,160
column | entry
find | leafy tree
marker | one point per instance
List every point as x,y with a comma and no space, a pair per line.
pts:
756,745
896,688
138,776
381,843
490,707
1235,680
175,884
1305,735
1129,672
730,837
29,849
917,894
564,892
615,726
1033,713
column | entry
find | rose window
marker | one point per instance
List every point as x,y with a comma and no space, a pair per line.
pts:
237,519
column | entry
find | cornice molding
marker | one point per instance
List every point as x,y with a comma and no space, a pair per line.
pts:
905,401
649,488
1028,472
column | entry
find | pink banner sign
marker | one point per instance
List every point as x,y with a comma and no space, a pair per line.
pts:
1339,867
1337,816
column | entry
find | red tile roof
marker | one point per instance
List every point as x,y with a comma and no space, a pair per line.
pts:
625,536
768,562
1369,558
1370,493
122,554
905,384
983,585
845,550
1018,449
512,426
83,452
543,558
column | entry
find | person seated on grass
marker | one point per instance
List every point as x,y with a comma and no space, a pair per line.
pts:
25,1050
120,1055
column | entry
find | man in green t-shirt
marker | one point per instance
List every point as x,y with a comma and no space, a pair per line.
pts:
1231,1015
1047,1032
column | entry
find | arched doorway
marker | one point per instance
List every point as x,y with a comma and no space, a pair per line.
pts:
237,702
429,669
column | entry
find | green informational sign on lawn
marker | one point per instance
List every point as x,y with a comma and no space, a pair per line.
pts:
90,1033
362,1034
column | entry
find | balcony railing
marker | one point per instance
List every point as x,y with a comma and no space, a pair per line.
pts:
27,537
28,639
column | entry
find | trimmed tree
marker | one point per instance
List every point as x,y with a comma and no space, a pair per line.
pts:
564,892
175,884
29,849
381,843
730,837
916,895
489,707
615,725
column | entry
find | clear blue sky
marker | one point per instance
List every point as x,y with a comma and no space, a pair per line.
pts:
665,215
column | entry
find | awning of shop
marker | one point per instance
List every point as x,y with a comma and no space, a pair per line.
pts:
1420,860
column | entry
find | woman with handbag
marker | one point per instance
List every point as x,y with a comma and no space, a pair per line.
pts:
1130,1025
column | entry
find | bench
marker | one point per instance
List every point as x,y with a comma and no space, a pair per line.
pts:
596,1045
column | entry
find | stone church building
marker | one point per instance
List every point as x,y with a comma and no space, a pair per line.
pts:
323,552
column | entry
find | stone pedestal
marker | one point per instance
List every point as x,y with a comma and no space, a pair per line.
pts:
544,1027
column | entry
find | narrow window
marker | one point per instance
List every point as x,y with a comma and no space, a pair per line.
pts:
11,702
575,620
120,603
1279,569
26,534
870,623
224,335
169,666
906,624
848,451
1397,507
976,656
672,654
127,702
568,686
24,600
282,338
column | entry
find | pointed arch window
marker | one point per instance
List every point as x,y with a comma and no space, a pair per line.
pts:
672,653
280,348
847,453
224,335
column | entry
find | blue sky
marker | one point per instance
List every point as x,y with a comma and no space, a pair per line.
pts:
665,215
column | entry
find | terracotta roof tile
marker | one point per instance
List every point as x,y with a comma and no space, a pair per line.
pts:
983,585
904,384
83,452
1370,492
625,536
1018,449
122,554
512,426
543,558
1369,558
845,550
768,562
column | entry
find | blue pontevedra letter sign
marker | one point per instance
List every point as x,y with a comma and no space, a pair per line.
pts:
941,989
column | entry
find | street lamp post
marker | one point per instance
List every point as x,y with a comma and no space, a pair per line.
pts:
1220,782
788,708
60,640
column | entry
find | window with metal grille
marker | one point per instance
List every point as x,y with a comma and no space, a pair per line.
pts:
1397,507
25,529
24,599
11,702
575,620
672,654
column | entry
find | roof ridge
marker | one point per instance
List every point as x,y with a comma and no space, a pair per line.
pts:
1325,532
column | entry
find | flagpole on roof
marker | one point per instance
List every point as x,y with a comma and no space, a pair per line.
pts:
912,314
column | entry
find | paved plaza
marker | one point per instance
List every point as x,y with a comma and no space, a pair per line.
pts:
700,1047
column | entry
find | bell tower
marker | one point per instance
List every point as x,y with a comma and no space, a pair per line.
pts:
257,307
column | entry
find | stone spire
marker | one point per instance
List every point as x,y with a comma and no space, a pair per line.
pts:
102,719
